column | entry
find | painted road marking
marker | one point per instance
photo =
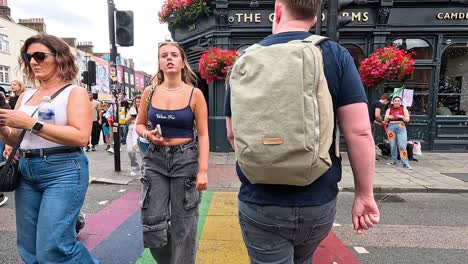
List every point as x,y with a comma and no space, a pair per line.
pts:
103,202
336,224
101,225
122,190
361,250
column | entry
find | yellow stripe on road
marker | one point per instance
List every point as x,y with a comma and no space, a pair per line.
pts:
221,241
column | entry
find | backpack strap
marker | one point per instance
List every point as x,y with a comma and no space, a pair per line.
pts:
315,39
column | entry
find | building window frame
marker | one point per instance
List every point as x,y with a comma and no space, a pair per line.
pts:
4,74
4,43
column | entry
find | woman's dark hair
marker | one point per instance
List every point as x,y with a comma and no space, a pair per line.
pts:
397,97
66,67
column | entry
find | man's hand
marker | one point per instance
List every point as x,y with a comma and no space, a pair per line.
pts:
365,213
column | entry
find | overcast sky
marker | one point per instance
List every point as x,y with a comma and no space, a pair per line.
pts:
87,20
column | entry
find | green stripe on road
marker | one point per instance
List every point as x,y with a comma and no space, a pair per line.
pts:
147,258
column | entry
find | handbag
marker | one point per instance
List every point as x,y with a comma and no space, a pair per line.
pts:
9,171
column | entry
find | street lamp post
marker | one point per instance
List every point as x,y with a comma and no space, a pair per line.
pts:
113,71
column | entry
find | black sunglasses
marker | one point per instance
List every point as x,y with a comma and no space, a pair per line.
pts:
38,56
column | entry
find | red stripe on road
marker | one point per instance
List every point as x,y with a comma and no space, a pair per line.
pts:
333,250
99,226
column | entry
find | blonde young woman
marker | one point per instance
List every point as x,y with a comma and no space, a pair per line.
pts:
17,88
175,165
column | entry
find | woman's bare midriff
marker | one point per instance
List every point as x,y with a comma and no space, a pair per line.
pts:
175,141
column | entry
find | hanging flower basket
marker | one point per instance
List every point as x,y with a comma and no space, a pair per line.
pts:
179,12
214,64
386,64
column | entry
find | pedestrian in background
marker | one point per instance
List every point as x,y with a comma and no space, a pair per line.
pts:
284,223
3,105
124,106
396,117
106,127
132,148
17,88
53,168
97,122
175,166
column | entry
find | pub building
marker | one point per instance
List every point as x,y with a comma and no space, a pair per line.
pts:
436,30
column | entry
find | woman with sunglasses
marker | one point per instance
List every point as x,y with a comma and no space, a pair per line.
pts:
175,166
53,168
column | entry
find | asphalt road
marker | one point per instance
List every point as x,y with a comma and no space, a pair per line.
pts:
424,228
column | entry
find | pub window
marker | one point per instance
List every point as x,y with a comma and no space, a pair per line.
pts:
453,85
419,82
422,49
356,52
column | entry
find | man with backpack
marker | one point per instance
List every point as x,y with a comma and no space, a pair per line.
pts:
282,105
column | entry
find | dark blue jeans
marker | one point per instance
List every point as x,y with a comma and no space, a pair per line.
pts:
284,235
48,201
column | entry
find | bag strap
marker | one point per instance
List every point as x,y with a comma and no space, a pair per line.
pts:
20,138
315,39
148,103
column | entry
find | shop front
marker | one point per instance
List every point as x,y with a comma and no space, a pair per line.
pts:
437,31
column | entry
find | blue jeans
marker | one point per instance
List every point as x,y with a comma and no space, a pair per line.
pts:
398,138
2,148
284,235
48,200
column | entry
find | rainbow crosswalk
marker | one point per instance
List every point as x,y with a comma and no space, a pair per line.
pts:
114,234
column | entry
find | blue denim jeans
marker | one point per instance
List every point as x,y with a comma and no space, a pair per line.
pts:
2,148
398,138
284,235
48,200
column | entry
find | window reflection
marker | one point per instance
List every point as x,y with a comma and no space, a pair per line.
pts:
356,52
422,49
453,85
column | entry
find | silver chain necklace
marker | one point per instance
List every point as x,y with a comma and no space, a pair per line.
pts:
173,89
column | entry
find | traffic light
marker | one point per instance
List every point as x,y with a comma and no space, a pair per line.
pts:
124,28
85,77
91,72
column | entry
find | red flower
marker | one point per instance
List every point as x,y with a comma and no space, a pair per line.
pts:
389,63
214,64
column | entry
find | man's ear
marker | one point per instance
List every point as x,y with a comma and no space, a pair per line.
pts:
278,12
313,22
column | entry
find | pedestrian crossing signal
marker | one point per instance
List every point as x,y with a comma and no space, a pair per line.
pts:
124,28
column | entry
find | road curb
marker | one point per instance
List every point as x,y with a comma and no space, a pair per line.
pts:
384,189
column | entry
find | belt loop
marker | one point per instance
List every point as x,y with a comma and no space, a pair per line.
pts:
41,152
182,148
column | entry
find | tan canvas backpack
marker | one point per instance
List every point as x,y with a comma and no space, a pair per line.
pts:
282,113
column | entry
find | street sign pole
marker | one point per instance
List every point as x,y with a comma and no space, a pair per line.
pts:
113,71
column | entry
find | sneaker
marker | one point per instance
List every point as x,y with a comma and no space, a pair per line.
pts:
93,148
87,148
135,172
3,199
407,166
391,163
108,147
110,150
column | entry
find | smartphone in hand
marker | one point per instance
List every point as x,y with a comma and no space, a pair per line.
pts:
158,130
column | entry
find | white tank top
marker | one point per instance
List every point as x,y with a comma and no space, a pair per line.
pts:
60,104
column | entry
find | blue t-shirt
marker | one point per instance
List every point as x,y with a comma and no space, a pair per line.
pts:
345,88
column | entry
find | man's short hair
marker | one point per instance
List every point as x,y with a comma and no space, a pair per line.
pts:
302,9
386,97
